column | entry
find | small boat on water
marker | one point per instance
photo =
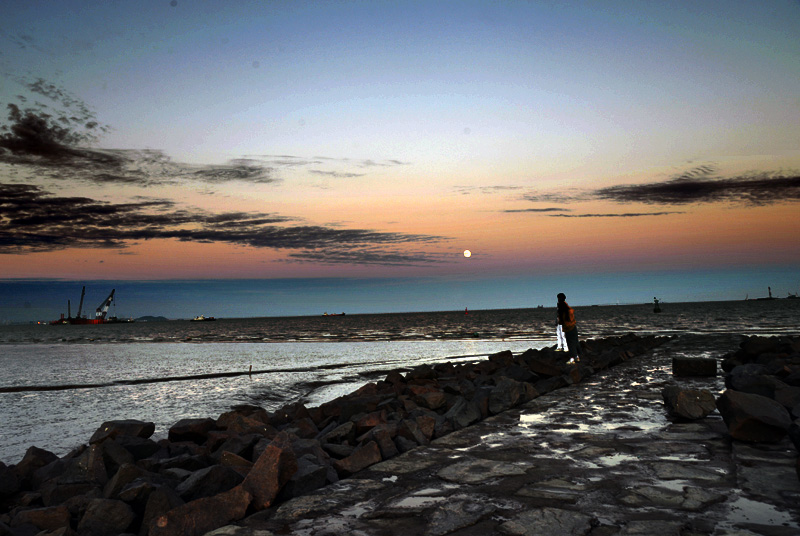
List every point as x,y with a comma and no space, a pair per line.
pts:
202,318
656,306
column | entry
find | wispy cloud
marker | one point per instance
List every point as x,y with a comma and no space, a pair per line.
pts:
372,256
564,196
539,210
693,187
699,185
336,174
616,215
486,189
31,220
297,160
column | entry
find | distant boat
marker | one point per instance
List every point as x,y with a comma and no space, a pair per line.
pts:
334,314
656,306
202,318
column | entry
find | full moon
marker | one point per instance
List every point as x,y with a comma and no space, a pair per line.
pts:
467,253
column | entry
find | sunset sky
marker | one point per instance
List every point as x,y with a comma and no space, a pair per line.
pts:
343,155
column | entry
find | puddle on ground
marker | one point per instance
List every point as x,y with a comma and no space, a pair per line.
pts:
358,510
748,511
616,459
417,502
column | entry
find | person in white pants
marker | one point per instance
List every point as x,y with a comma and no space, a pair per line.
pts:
561,341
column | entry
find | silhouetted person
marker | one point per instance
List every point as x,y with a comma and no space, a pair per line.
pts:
566,319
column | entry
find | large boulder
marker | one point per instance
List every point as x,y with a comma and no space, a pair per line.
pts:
751,378
9,482
310,475
543,363
45,519
271,472
160,501
462,414
688,403
203,515
194,430
124,476
504,395
754,346
207,482
139,447
361,458
105,517
126,427
751,417
33,460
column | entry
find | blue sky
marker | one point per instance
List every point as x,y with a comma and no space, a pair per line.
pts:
591,143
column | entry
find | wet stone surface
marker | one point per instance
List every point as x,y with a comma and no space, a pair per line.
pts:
601,458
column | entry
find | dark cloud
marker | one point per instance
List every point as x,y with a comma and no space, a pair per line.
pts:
570,196
56,144
548,209
242,169
371,256
612,215
79,111
693,187
34,135
33,221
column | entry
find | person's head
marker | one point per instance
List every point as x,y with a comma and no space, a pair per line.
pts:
561,297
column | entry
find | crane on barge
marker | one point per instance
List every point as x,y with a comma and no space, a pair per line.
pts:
100,315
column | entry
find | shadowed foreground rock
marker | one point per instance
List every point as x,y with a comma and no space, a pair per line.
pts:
689,403
210,472
763,395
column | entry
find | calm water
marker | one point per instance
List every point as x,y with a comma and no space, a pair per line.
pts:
88,370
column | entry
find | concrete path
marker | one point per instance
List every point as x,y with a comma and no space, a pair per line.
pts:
598,458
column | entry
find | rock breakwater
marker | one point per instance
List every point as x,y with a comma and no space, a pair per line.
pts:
210,472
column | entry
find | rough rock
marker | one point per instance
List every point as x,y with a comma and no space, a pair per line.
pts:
159,502
752,417
751,378
203,515
457,514
271,472
688,403
126,427
462,414
505,395
547,521
207,482
46,518
194,430
34,459
362,457
106,517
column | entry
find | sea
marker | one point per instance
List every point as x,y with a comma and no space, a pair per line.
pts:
59,383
